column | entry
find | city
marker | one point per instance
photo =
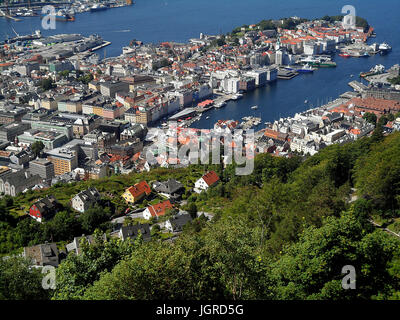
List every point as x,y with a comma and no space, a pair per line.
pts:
101,154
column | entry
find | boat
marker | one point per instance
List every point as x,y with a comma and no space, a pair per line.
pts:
62,15
344,55
208,117
306,69
98,7
221,104
254,107
306,101
384,48
127,50
378,69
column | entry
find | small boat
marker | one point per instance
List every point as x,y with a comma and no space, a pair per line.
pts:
208,117
344,55
254,107
306,101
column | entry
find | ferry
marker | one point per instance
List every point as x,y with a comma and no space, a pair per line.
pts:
98,7
62,15
306,69
384,48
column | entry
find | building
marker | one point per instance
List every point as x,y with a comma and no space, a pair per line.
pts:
43,168
85,199
176,223
131,232
208,180
44,209
169,187
12,130
75,245
157,210
43,254
136,192
110,88
64,159
14,183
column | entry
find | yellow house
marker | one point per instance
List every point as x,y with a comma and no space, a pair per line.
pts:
136,192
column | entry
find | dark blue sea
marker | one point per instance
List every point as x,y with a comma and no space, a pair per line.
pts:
179,20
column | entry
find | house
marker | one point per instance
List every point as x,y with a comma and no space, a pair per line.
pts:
176,223
208,180
44,209
85,199
157,210
131,232
136,192
43,254
169,188
74,246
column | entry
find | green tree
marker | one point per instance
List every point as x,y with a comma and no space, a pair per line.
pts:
19,281
37,147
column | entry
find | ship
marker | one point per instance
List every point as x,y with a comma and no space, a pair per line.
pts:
378,69
384,48
98,7
62,15
306,69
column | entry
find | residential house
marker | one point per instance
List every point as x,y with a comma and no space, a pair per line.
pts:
44,209
43,254
131,232
169,188
157,210
136,192
208,180
85,199
176,223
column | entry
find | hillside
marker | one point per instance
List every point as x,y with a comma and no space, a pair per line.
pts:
284,232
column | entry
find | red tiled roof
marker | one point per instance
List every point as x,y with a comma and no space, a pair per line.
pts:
210,178
139,188
160,209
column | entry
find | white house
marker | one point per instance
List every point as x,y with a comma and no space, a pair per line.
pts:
206,181
85,199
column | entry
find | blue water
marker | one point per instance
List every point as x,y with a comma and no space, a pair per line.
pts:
179,20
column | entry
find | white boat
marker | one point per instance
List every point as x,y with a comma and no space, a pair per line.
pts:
384,48
208,117
305,101
254,107
127,50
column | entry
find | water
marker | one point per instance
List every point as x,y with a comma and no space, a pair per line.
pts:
179,20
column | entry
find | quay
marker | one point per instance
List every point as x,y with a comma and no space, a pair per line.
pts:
5,15
104,44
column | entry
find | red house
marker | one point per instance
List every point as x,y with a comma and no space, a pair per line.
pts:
44,209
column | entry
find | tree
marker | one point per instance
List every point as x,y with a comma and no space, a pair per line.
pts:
37,147
192,209
47,84
19,281
370,117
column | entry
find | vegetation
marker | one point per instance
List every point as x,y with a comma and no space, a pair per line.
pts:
283,232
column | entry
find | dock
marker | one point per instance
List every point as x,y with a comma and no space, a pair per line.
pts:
5,15
357,86
104,44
